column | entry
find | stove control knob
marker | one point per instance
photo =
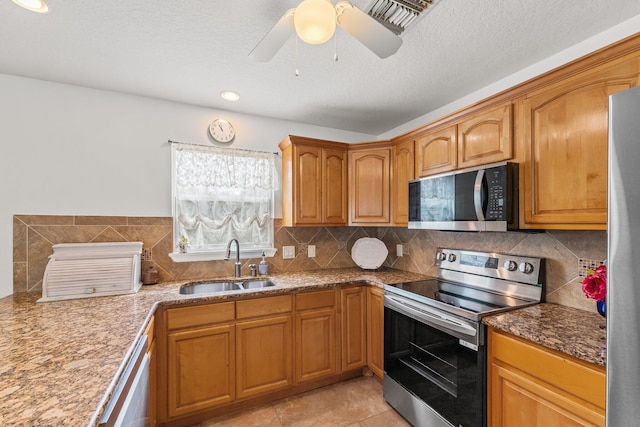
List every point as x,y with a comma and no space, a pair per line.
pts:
441,256
452,257
510,265
526,268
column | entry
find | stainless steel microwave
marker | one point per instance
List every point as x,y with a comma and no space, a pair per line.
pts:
478,199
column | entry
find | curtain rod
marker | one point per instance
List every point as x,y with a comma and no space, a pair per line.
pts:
239,149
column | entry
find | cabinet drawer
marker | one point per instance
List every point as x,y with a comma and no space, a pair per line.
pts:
318,299
569,374
263,306
200,315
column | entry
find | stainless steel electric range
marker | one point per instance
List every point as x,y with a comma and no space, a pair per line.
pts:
434,340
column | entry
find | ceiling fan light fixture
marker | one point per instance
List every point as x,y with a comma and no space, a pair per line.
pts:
315,21
33,5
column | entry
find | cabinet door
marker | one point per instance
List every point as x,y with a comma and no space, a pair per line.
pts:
315,344
566,145
353,318
369,186
436,152
375,331
403,172
531,386
334,168
201,369
486,138
307,195
265,353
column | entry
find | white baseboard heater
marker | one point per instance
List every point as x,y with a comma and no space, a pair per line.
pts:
84,270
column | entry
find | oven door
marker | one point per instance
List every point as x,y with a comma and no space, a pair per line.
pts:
427,359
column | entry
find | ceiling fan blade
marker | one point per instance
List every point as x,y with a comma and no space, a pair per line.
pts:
274,39
367,30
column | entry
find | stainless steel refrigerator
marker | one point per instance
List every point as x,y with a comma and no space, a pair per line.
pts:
623,264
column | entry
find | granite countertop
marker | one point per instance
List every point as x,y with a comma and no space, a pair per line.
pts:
61,360
578,333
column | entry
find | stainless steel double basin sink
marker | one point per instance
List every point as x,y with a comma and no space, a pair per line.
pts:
223,286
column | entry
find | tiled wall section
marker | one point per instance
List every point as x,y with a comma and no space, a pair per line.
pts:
35,234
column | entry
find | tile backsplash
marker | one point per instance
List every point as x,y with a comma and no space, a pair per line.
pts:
34,235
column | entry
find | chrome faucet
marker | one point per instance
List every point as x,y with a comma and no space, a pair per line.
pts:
228,255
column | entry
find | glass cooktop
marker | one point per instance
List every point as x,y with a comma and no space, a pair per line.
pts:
456,298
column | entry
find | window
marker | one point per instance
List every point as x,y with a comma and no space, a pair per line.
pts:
222,194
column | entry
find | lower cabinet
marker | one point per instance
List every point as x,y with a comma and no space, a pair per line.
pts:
353,318
264,354
315,335
211,356
375,330
531,386
200,359
153,376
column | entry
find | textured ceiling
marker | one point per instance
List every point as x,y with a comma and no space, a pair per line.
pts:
189,51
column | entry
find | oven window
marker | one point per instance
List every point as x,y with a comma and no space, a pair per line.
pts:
434,366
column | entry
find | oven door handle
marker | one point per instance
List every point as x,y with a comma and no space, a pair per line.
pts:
425,316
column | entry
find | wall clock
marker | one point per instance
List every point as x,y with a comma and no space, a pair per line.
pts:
222,131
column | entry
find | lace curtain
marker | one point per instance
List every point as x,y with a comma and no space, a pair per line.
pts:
221,194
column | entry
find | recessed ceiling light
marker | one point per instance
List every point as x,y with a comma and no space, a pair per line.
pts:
229,95
32,5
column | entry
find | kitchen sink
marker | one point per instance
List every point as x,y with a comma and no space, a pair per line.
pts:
208,287
255,284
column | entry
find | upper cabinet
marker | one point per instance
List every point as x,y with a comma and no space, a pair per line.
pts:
436,152
402,172
565,148
483,138
486,137
369,186
314,182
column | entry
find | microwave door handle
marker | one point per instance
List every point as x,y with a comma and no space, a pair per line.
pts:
477,195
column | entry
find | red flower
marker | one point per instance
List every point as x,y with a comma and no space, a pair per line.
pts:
595,284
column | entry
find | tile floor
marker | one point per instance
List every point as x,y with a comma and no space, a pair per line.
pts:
353,403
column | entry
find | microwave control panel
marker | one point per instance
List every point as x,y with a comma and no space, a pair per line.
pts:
497,191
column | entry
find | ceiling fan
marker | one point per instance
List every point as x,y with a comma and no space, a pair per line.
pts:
314,21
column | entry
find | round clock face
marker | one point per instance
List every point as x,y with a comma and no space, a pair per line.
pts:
221,130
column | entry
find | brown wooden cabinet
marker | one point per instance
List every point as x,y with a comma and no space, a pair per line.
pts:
200,358
486,137
152,411
436,152
532,386
566,142
403,167
264,345
375,330
369,185
353,317
265,352
315,335
314,187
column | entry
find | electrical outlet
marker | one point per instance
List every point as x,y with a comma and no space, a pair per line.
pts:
399,250
311,251
288,252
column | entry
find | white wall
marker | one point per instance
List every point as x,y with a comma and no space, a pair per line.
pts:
68,150
592,44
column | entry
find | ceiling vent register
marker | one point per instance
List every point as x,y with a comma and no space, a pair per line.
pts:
398,15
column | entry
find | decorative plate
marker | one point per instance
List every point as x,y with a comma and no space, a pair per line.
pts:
369,253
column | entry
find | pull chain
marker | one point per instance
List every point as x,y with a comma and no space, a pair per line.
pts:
296,71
